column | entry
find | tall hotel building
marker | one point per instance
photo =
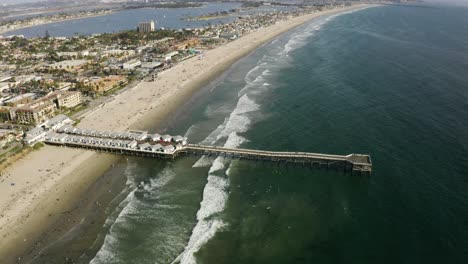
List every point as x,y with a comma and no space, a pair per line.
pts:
146,26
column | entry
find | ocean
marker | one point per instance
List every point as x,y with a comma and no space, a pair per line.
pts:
389,81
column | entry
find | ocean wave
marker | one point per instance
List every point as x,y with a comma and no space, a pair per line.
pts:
239,121
234,140
253,73
190,131
212,137
300,38
215,196
203,162
109,253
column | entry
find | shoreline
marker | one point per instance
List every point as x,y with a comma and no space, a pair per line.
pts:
58,21
30,207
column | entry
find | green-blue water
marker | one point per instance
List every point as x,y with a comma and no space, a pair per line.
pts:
389,81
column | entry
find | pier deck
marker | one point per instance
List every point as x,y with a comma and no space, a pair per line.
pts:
353,162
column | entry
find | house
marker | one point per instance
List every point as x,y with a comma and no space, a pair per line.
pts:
34,135
65,129
166,138
132,144
116,143
125,135
57,121
114,134
73,130
157,148
105,134
86,132
144,146
180,139
138,135
50,136
125,143
168,149
154,137
93,132
61,137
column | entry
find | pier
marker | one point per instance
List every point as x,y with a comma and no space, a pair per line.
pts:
353,162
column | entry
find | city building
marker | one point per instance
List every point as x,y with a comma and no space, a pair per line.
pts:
67,99
7,113
68,65
105,84
146,26
35,113
132,64
20,100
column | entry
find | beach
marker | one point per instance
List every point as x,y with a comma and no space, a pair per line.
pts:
35,191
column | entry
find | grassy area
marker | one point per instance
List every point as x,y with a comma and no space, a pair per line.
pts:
75,110
77,121
11,151
113,90
38,145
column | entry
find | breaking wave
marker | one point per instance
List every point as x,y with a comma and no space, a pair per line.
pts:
121,226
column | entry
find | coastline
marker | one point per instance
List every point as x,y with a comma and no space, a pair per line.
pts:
49,181
58,21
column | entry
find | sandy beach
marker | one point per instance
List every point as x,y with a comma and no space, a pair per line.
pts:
38,188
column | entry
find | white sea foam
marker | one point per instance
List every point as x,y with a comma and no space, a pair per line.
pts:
108,252
211,138
253,73
217,165
255,83
234,140
164,177
214,200
215,194
190,131
239,121
300,39
203,162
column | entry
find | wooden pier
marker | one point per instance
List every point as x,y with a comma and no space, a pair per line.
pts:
353,162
